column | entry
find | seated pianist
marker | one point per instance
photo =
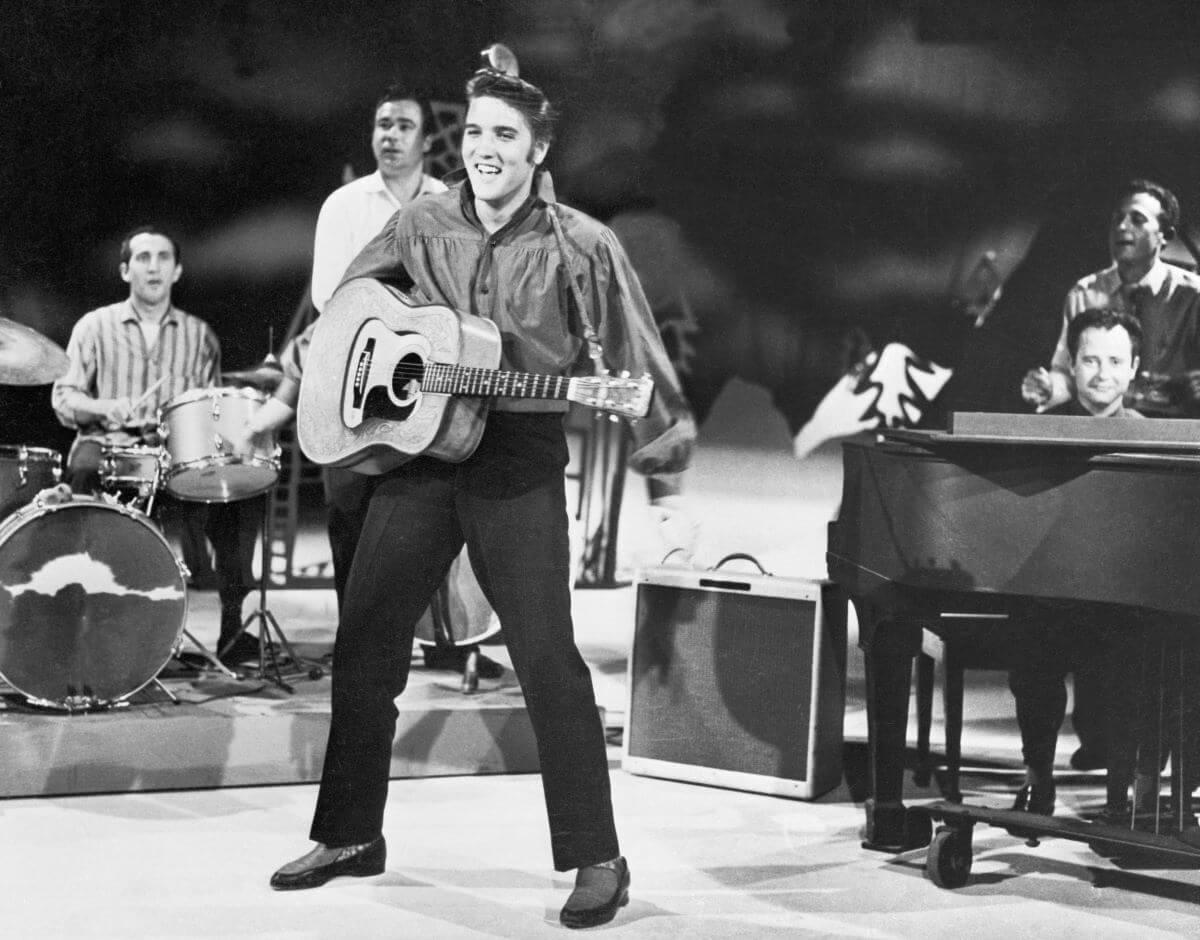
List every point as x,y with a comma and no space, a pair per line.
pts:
1104,347
1161,306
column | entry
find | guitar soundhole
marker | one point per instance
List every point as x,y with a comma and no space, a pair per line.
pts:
405,391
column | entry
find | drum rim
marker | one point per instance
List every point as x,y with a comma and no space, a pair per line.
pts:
213,391
33,510
473,641
141,450
21,451
225,460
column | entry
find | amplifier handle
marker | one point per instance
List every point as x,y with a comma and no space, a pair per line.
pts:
741,556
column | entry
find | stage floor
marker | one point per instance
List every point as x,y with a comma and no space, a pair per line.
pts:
469,852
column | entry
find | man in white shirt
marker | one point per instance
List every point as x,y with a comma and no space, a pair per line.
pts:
1163,298
350,217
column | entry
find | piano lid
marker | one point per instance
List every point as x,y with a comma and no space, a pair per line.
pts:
1125,434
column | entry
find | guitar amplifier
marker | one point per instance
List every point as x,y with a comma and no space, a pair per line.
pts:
737,680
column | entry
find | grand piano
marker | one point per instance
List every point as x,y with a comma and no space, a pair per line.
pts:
988,517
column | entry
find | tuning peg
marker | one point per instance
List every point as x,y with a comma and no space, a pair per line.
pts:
614,418
625,374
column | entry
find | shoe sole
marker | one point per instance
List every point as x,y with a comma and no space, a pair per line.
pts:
364,866
300,884
579,921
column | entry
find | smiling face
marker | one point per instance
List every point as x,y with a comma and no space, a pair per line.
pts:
151,270
1135,235
1104,366
499,153
397,138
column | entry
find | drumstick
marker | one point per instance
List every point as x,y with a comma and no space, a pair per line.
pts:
146,395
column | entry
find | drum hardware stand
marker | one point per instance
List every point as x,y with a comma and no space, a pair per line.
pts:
167,692
208,655
267,623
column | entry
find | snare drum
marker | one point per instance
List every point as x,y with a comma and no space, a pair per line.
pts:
92,602
133,469
23,472
197,428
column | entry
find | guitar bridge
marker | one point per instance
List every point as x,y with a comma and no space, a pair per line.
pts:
358,382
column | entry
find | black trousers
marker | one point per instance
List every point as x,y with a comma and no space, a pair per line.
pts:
1056,648
347,498
232,528
1146,668
508,503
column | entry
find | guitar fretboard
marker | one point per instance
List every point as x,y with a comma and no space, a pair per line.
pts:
465,380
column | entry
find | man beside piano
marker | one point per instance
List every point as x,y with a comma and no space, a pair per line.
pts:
1138,310
1163,298
1028,517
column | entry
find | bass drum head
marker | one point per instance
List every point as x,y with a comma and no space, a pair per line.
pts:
92,603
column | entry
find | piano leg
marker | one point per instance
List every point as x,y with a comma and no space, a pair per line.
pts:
889,645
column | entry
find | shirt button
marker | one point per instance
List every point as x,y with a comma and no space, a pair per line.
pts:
483,290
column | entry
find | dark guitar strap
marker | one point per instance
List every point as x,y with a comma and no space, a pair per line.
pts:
595,350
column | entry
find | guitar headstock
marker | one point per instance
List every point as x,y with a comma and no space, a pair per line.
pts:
616,394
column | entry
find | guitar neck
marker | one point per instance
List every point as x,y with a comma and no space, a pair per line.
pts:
465,380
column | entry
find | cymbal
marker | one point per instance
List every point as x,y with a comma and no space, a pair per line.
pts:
265,376
27,357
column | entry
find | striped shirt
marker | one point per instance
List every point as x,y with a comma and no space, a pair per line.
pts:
109,358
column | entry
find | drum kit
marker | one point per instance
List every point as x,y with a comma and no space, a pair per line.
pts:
93,601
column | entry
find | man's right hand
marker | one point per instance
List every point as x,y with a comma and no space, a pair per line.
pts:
115,413
1036,387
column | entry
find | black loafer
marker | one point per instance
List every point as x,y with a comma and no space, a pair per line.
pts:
600,891
1035,799
356,861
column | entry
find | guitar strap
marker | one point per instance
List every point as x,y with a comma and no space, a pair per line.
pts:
595,350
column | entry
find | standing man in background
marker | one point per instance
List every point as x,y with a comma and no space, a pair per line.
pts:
350,217
1165,300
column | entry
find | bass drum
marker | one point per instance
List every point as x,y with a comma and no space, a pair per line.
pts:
460,615
93,603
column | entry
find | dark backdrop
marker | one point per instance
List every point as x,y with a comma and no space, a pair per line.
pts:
795,180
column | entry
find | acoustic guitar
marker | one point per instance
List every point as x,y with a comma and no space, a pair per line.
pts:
386,381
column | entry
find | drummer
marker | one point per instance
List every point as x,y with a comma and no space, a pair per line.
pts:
126,361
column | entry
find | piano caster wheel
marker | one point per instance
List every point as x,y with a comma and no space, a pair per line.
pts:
948,863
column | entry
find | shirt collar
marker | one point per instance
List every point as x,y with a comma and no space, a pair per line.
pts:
128,314
1153,279
540,194
376,183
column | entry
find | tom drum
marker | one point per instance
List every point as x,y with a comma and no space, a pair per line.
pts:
23,472
197,429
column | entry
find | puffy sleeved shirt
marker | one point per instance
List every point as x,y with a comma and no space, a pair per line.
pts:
436,250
